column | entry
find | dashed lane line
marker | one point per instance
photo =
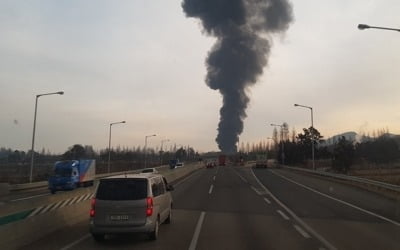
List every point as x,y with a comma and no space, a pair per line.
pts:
267,201
338,200
284,216
295,217
255,190
302,232
211,189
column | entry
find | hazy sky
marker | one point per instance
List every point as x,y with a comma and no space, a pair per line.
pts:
143,61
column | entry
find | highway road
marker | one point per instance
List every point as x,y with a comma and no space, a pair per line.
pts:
244,208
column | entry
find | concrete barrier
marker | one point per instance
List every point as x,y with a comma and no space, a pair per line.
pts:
25,231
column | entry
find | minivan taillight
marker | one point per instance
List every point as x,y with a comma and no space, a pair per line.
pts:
149,206
92,207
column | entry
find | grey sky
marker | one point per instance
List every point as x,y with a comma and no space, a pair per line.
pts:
143,62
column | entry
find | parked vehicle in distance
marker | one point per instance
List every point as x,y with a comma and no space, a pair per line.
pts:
69,175
149,171
179,165
132,203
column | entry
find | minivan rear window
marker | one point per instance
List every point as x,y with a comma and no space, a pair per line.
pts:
122,189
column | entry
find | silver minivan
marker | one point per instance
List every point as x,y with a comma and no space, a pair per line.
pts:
132,203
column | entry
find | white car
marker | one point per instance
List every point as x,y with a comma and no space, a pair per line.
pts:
179,165
130,204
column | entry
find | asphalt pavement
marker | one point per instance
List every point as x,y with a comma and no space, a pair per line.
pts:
241,208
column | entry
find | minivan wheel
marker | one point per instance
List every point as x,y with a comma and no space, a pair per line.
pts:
98,237
154,235
169,218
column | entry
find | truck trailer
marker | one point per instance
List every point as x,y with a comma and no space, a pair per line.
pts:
69,175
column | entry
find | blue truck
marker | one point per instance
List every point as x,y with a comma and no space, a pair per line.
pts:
69,175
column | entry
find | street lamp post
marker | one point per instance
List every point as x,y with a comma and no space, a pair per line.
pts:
283,147
34,130
365,26
161,150
145,149
312,132
109,144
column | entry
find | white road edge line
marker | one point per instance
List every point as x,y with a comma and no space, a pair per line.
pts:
267,201
30,197
284,216
74,243
211,189
338,200
302,232
295,217
196,234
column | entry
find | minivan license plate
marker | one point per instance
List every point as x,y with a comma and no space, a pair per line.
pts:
119,217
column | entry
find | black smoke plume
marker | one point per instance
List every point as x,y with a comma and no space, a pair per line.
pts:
242,29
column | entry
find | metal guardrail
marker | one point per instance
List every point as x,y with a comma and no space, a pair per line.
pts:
364,181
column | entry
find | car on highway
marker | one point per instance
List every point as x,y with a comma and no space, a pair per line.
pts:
132,203
179,165
149,171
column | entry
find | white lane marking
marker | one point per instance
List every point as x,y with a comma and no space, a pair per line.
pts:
267,201
73,200
338,200
214,178
196,234
64,203
80,198
56,205
255,190
302,232
284,216
47,208
241,177
211,189
294,216
36,211
30,197
74,243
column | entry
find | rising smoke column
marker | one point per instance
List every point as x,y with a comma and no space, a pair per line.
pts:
242,29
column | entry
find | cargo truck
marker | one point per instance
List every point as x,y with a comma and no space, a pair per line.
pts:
261,161
69,175
221,160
